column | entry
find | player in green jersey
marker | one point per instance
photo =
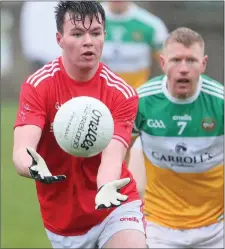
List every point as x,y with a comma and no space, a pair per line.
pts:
181,124
134,37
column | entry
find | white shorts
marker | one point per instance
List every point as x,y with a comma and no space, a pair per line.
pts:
203,237
127,216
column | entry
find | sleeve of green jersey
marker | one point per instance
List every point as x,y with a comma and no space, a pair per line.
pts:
138,122
159,34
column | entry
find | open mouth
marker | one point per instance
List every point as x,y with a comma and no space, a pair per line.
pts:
183,80
88,53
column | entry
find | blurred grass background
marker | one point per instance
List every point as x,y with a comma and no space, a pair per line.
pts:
21,224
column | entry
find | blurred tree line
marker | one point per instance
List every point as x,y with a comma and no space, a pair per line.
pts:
206,17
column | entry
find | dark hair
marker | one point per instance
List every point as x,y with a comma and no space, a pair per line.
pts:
78,10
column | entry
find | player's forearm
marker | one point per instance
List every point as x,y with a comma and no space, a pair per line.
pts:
111,163
108,172
24,136
22,162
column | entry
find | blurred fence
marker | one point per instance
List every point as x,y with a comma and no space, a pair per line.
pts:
206,17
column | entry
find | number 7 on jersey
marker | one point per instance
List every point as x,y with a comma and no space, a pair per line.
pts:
182,125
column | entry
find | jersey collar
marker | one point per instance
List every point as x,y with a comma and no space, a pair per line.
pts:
127,15
181,101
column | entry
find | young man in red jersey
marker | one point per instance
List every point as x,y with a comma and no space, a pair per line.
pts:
78,211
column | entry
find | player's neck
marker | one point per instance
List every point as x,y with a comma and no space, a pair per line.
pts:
75,73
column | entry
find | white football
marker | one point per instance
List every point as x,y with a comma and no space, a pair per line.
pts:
83,126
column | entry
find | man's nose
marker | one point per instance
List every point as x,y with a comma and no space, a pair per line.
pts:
88,40
184,67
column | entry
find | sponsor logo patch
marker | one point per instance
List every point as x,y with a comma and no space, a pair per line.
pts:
208,124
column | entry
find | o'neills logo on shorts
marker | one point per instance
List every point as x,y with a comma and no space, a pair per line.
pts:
91,136
134,219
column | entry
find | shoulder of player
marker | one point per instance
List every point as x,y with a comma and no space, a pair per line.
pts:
212,87
151,88
147,18
117,84
138,14
43,76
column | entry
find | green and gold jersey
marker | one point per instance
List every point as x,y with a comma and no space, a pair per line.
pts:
182,142
130,40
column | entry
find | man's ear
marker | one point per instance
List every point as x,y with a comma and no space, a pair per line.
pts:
162,62
59,39
204,63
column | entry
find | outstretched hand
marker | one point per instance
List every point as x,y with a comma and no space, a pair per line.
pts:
39,170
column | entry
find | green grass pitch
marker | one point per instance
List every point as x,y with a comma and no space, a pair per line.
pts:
21,224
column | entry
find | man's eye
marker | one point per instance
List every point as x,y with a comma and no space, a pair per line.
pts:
96,33
77,34
190,60
176,60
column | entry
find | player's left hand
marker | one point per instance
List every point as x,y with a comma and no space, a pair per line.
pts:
108,195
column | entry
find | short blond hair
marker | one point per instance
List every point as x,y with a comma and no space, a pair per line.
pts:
185,36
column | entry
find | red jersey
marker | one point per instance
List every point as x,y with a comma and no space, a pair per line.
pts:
68,207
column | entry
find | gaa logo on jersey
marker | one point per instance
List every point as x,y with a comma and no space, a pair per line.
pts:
154,123
208,124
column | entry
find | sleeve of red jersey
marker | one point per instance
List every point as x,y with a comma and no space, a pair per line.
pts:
31,109
124,115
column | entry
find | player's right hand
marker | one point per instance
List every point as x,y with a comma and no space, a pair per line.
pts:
39,170
108,195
